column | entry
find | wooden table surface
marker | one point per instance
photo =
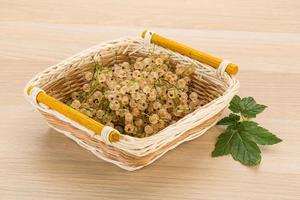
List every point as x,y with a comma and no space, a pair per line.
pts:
262,36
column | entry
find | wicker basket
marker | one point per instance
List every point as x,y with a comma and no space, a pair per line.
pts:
48,89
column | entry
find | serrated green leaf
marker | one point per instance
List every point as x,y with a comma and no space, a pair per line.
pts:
246,106
223,145
241,148
232,119
235,104
241,138
244,150
257,134
249,107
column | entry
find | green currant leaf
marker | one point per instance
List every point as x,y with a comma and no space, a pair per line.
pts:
244,150
257,134
232,119
250,108
246,106
234,105
241,138
223,145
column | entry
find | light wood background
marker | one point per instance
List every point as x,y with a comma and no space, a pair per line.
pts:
262,36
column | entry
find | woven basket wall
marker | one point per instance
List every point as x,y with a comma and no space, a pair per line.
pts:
214,87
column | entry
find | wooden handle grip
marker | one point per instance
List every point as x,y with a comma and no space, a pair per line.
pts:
73,114
190,52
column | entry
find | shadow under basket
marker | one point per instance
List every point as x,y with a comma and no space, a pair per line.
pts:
212,81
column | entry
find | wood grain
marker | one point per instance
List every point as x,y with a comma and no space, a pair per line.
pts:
263,37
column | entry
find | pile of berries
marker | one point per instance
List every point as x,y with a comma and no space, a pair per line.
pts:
140,97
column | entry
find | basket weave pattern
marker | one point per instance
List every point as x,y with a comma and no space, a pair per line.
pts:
214,87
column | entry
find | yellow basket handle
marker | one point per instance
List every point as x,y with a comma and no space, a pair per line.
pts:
190,52
42,97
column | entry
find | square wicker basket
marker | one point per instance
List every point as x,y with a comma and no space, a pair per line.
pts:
213,81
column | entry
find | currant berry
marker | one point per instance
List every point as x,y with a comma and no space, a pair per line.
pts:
153,119
88,76
148,129
76,104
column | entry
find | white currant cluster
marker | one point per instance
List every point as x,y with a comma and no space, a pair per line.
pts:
140,97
